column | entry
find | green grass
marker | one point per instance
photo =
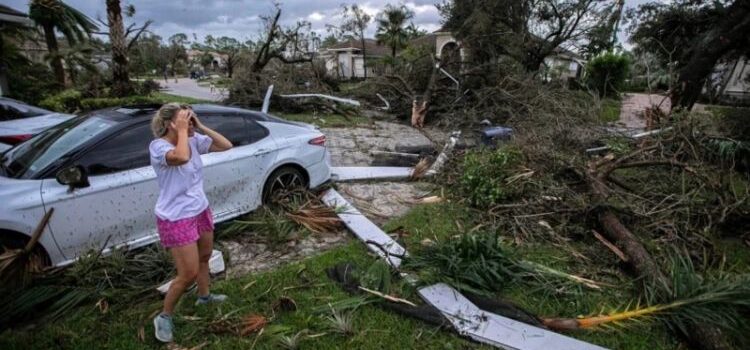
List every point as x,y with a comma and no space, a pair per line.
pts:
166,98
729,111
325,120
219,82
375,328
307,284
444,220
610,110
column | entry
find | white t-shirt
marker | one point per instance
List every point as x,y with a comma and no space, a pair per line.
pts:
181,192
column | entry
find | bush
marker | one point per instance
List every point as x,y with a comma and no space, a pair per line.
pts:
606,73
66,101
30,82
487,176
91,104
71,101
147,87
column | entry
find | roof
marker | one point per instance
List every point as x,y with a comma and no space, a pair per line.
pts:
429,40
561,51
442,29
372,47
9,11
8,14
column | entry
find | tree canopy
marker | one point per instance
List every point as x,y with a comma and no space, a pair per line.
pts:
392,29
527,30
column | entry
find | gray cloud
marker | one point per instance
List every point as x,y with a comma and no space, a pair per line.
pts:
240,18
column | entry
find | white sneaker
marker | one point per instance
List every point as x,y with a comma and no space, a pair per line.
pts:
163,328
211,298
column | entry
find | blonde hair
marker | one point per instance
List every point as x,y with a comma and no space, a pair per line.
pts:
162,118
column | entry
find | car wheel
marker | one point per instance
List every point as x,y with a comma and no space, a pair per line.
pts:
284,179
9,241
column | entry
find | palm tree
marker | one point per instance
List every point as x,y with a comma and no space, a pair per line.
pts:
54,15
391,27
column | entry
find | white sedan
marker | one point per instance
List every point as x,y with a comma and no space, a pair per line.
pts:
94,171
19,121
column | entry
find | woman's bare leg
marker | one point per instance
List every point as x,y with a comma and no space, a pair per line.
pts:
205,248
186,260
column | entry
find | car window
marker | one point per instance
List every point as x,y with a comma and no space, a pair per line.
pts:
34,155
10,110
257,131
127,150
233,127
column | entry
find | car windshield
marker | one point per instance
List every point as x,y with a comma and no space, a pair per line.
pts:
29,158
11,109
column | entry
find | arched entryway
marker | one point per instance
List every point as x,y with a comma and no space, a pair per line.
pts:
450,57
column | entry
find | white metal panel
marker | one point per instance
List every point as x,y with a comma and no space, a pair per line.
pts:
370,173
489,328
364,229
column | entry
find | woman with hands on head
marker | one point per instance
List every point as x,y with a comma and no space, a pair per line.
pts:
183,216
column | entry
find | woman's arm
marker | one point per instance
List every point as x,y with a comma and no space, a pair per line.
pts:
219,143
181,153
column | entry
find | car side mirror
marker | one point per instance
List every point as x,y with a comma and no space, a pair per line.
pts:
74,176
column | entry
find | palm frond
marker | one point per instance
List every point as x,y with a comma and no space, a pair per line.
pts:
478,263
715,297
75,26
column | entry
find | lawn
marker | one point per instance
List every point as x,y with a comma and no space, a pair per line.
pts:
305,282
166,98
610,110
128,325
325,120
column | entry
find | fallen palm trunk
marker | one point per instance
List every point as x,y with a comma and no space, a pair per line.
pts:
702,336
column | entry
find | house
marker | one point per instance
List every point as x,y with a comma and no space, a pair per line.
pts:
194,58
10,17
734,79
345,59
564,64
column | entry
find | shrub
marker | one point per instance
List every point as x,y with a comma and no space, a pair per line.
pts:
90,104
66,101
147,87
30,82
606,73
488,174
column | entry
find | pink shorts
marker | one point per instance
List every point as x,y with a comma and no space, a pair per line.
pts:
184,231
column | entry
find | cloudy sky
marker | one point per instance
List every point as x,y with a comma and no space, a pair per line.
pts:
240,18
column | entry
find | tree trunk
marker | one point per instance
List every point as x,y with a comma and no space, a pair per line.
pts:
701,336
706,52
364,53
54,53
121,80
230,65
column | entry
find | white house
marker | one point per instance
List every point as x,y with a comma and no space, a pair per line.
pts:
563,64
345,59
735,85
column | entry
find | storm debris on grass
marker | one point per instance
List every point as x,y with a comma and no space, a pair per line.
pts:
117,280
